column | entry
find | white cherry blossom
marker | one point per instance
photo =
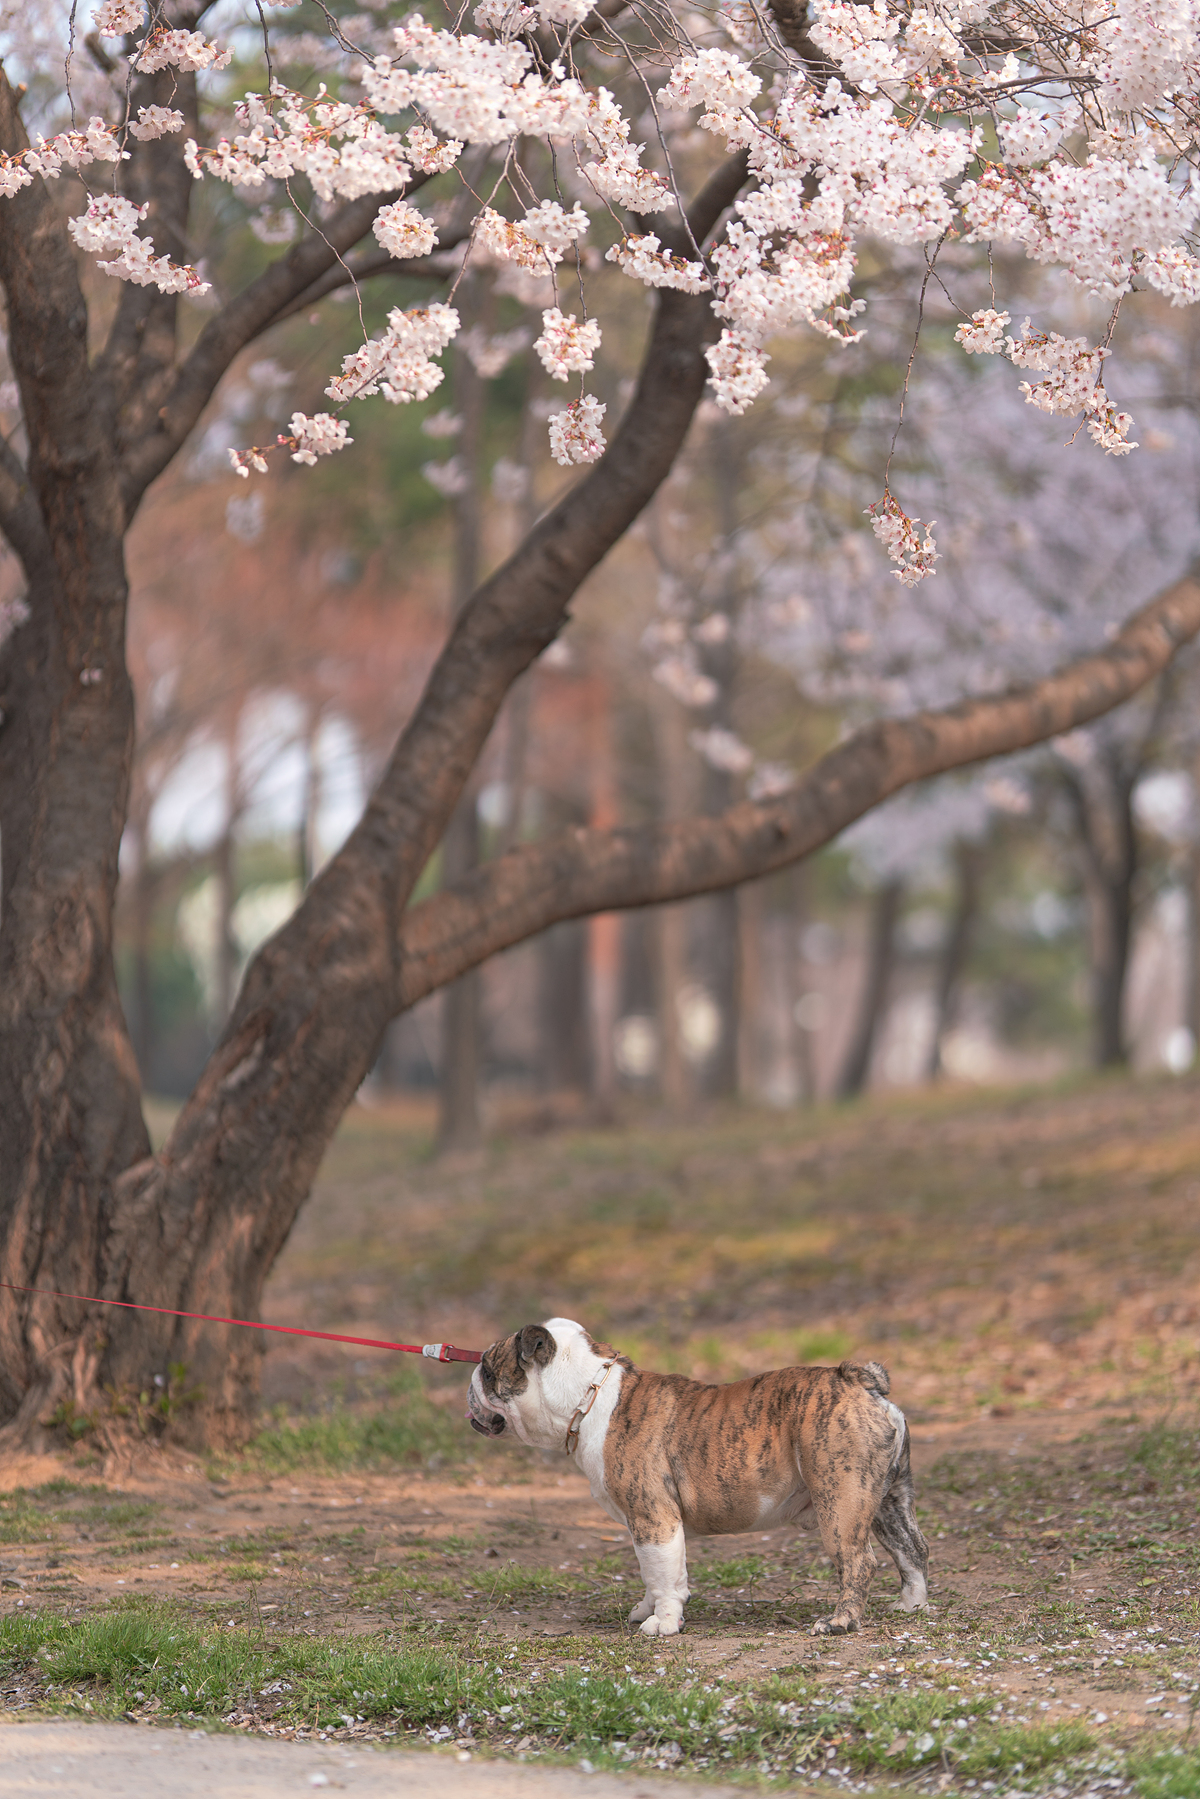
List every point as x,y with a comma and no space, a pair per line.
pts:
575,435
156,121
898,535
188,51
115,18
397,363
566,346
403,231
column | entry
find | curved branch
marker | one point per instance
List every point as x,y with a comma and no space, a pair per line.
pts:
588,871
435,267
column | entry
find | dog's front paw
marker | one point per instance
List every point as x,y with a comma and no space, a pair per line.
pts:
655,1626
830,1627
643,1609
910,1605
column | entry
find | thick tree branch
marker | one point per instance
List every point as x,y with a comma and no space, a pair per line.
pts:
585,871
47,324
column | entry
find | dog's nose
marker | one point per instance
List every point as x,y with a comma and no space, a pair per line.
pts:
493,1426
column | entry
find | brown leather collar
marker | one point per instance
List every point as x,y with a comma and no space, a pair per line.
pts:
585,1406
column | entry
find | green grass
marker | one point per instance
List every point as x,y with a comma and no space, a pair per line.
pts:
1167,1774
614,1705
407,1427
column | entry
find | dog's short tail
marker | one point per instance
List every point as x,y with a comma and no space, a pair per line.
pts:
871,1375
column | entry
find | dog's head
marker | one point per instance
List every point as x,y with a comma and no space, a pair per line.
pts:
530,1383
502,1378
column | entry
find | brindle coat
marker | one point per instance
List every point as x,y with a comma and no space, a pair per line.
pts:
669,1456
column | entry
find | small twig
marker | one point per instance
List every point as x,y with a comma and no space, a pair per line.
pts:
929,267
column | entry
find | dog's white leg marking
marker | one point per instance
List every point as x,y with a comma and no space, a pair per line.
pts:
914,1594
664,1570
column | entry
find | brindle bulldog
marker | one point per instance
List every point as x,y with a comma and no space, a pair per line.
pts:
665,1455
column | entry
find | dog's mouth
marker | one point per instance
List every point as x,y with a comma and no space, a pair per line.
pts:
494,1425
481,1417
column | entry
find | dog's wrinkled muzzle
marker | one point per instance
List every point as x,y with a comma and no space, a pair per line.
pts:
482,1418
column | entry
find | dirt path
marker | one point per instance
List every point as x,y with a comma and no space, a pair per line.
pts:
123,1761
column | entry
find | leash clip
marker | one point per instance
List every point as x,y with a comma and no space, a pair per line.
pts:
446,1352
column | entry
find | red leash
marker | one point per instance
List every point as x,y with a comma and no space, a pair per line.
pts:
438,1352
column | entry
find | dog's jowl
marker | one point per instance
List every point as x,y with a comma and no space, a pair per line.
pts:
665,1456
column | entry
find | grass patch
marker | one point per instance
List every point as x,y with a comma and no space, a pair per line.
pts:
406,1428
21,1521
1167,1774
611,1704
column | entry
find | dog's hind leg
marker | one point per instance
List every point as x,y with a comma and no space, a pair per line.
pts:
845,1499
664,1570
897,1529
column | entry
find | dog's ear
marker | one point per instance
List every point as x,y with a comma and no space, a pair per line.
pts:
535,1344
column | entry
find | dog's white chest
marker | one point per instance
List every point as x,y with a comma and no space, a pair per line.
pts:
589,1455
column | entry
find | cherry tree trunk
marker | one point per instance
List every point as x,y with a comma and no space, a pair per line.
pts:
1110,913
968,868
881,948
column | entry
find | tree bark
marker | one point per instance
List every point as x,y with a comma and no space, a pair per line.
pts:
881,948
1102,802
968,869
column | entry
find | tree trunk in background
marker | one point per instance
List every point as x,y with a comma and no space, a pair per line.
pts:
676,782
562,1000
750,1024
881,949
308,847
1101,796
669,926
604,929
1110,906
800,1041
142,898
723,961
968,869
460,1126
225,870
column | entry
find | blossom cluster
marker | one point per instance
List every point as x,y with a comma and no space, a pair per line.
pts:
482,92
1090,118
575,435
537,242
898,535
403,231
398,363
615,170
344,149
565,345
50,156
308,438
645,259
1073,372
108,230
